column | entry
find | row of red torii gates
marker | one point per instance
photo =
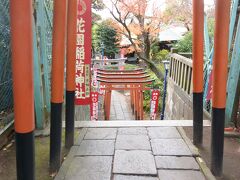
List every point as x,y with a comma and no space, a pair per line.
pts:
134,80
22,65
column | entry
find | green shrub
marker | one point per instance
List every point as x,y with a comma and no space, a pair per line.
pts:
130,66
157,84
185,44
158,55
161,55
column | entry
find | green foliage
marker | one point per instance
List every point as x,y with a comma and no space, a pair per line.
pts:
157,84
126,67
162,55
185,44
211,23
155,47
106,34
130,66
158,55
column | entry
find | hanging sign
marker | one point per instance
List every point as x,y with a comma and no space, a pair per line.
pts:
101,90
94,106
83,53
154,103
94,78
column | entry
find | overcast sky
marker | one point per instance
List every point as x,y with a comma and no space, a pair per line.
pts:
161,3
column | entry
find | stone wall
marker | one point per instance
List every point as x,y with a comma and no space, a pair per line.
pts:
179,103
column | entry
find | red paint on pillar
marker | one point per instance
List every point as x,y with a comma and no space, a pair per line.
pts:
22,64
71,44
58,50
197,50
220,58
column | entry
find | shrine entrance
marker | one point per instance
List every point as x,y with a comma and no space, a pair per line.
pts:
135,81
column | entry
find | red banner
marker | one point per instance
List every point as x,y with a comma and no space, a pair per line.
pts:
154,104
83,53
94,106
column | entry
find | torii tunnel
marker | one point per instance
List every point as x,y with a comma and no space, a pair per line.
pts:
65,40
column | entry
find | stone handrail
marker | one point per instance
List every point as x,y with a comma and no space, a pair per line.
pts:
110,60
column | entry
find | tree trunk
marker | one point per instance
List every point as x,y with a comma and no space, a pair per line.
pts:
152,66
156,71
147,45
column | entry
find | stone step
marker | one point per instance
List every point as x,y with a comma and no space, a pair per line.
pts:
132,153
143,123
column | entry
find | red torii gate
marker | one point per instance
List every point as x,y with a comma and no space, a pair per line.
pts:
114,73
135,81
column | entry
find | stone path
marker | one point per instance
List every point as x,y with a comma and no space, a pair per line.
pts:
120,107
131,153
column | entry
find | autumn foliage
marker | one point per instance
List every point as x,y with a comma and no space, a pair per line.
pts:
139,21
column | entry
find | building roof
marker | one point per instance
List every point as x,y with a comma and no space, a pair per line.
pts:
172,34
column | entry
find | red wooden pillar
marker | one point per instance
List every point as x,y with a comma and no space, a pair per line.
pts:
133,92
109,104
137,104
131,96
105,103
71,71
22,68
198,52
134,102
57,89
220,71
141,105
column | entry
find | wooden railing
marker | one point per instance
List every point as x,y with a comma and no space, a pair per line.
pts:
180,71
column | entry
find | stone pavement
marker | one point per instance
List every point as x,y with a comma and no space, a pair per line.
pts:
131,153
120,107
